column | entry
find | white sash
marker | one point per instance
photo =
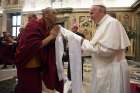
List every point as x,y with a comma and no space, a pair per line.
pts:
74,44
59,50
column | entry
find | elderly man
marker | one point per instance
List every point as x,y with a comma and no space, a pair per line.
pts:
110,68
35,55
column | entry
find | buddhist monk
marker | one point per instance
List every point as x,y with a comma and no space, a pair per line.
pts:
35,55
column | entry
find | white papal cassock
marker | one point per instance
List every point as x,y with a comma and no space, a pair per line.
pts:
110,68
74,44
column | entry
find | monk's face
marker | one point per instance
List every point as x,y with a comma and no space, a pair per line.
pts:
51,16
95,13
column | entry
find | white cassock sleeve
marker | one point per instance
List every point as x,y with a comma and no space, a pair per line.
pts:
97,49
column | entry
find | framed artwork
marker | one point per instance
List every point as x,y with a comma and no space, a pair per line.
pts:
85,22
126,21
81,19
86,25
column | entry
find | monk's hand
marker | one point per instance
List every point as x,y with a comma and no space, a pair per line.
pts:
54,32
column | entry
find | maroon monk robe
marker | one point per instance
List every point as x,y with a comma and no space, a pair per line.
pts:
30,46
50,76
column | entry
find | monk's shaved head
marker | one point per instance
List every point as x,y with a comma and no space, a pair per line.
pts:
48,10
49,14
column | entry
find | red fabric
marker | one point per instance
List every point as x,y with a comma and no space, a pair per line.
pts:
29,46
29,81
7,54
135,88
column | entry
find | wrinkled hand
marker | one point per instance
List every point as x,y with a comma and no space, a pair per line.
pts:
54,32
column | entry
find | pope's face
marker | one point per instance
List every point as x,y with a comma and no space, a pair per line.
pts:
94,13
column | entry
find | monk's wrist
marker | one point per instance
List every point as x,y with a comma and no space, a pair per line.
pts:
47,40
